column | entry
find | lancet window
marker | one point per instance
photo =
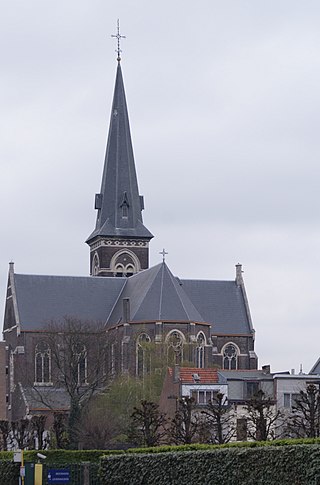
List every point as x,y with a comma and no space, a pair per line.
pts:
42,363
200,350
143,357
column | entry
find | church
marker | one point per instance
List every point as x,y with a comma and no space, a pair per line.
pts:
204,323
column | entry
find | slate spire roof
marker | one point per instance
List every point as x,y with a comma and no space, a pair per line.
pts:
156,295
119,204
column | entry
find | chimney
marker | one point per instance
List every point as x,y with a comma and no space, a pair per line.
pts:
239,272
126,310
266,369
293,372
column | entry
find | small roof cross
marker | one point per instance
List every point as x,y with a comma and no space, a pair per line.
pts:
118,37
163,252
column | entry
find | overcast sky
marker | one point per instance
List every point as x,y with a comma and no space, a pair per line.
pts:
224,107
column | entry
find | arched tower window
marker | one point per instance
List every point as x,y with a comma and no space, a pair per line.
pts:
119,270
95,265
143,357
201,342
42,363
125,263
230,357
175,341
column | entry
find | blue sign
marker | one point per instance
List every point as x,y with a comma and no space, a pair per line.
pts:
59,475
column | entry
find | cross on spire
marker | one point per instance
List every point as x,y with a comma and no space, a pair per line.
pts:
118,37
163,252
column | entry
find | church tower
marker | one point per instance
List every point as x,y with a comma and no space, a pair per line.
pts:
119,245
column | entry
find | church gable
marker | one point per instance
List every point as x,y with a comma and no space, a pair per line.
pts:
45,299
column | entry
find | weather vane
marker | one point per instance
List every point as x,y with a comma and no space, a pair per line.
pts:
118,37
163,252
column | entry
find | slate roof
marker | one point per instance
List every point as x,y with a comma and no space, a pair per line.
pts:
42,299
46,398
245,374
315,368
119,180
220,303
154,294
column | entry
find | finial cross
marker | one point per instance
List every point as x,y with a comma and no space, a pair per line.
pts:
163,252
118,37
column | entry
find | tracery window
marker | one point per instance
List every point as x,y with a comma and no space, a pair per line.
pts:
42,363
80,354
230,357
175,343
200,349
143,357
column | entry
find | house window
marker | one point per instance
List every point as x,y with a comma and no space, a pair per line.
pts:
174,342
203,397
42,363
201,341
290,400
230,357
251,389
143,358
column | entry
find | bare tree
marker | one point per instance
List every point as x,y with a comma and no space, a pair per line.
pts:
147,424
59,428
78,356
262,417
37,425
4,433
304,420
219,419
21,433
186,423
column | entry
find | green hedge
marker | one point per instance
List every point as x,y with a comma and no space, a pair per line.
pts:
235,444
267,465
9,472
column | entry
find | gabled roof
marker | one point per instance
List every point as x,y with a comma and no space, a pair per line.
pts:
220,303
44,299
119,185
156,295
206,376
315,368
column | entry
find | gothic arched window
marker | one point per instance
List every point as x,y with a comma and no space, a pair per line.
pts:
230,357
42,363
143,358
175,341
80,365
129,270
95,265
201,342
119,270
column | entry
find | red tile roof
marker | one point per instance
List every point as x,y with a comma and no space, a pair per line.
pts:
207,376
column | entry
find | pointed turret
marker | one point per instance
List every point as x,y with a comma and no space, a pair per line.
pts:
119,243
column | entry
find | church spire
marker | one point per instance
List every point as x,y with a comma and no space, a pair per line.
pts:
119,205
